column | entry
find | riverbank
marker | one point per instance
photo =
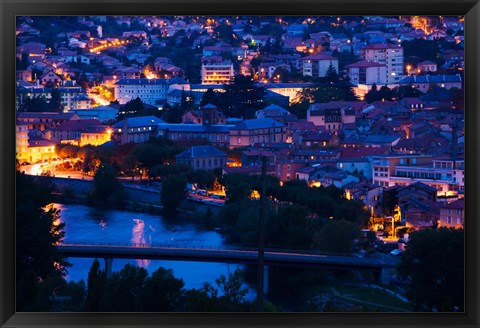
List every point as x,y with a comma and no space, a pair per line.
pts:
138,199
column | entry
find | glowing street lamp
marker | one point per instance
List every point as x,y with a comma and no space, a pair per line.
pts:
408,69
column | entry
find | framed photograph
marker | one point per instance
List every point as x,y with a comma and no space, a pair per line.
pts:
257,163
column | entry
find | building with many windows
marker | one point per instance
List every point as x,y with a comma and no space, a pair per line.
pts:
217,73
317,65
202,158
447,176
386,54
150,91
263,130
452,215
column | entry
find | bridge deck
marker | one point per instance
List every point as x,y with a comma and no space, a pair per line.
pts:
220,255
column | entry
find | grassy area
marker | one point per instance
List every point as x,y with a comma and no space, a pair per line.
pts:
371,295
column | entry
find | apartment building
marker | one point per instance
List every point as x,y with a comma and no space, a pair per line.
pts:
386,54
446,175
217,73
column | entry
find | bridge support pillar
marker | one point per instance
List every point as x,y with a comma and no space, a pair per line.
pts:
265,280
108,266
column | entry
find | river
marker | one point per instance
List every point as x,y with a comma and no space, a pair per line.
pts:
85,224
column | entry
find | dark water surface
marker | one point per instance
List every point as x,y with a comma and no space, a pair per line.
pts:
88,225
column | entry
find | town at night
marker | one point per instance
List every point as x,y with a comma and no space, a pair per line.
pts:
240,164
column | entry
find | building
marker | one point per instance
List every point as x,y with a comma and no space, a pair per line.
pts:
329,118
249,132
277,113
445,175
202,158
136,129
425,82
386,54
21,150
101,113
32,149
151,91
290,90
317,65
452,215
426,66
217,73
208,115
217,135
95,135
71,131
367,73
44,120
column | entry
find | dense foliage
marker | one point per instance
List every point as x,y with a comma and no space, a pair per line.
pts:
37,231
433,263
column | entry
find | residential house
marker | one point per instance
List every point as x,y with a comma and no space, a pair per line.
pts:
254,157
286,170
330,119
452,215
426,66
317,140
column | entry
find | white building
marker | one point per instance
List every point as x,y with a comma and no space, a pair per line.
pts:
445,175
317,65
150,91
389,55
367,73
217,73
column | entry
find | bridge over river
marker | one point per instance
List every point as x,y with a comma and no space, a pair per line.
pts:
382,268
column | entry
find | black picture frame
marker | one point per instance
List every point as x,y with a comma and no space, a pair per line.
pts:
11,8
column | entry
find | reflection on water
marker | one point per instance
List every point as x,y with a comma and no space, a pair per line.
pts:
85,225
138,238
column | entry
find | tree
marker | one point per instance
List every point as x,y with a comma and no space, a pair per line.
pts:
123,289
372,94
34,104
234,294
37,233
237,187
55,102
131,108
106,187
209,97
433,263
172,193
242,98
162,292
337,236
353,211
95,287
